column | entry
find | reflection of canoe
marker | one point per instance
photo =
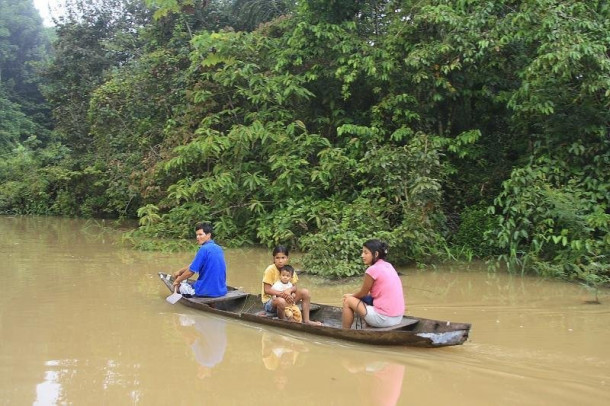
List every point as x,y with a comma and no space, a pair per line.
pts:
412,331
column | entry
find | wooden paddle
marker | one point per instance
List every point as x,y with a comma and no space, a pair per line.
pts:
174,297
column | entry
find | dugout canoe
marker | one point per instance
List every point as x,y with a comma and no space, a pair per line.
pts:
412,331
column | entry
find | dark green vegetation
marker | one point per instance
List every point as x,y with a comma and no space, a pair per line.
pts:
451,129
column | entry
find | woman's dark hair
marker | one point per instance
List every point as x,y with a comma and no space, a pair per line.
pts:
378,248
280,249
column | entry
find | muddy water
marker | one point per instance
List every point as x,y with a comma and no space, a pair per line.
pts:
84,321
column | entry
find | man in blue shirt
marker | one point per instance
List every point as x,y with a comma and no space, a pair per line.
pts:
209,263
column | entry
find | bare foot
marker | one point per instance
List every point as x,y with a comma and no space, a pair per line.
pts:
314,323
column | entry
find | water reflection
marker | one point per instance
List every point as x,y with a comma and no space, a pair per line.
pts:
280,354
48,392
379,381
207,338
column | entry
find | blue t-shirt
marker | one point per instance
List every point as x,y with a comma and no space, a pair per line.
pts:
210,264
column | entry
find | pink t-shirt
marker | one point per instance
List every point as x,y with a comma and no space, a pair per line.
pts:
388,298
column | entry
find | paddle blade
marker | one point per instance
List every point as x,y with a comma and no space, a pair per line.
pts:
174,297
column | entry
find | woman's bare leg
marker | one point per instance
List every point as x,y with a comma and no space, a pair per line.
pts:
352,305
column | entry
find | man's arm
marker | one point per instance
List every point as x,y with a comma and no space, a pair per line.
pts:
180,271
183,274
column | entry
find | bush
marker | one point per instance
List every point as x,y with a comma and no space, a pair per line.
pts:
474,223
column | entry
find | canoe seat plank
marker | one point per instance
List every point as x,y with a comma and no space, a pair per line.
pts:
231,295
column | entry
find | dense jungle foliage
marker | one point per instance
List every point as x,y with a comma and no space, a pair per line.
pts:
451,129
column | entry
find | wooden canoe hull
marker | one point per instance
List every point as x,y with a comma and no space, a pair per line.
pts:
413,331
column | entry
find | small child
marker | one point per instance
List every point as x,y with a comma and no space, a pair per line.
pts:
292,312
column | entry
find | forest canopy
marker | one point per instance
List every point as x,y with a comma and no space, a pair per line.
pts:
451,129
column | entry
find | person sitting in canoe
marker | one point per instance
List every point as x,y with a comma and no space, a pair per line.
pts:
209,263
291,312
283,299
383,284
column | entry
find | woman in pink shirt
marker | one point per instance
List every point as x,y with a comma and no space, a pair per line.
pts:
382,283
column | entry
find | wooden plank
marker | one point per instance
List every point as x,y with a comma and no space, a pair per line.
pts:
231,295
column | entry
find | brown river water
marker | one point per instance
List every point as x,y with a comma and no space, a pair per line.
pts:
84,321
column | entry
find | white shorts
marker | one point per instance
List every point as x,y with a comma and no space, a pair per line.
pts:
375,319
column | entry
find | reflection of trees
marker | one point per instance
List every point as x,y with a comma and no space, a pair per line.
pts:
380,382
109,367
63,381
207,338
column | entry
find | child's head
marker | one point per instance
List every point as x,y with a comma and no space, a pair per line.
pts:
373,250
280,256
286,273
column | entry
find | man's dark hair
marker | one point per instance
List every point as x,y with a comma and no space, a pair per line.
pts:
206,227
